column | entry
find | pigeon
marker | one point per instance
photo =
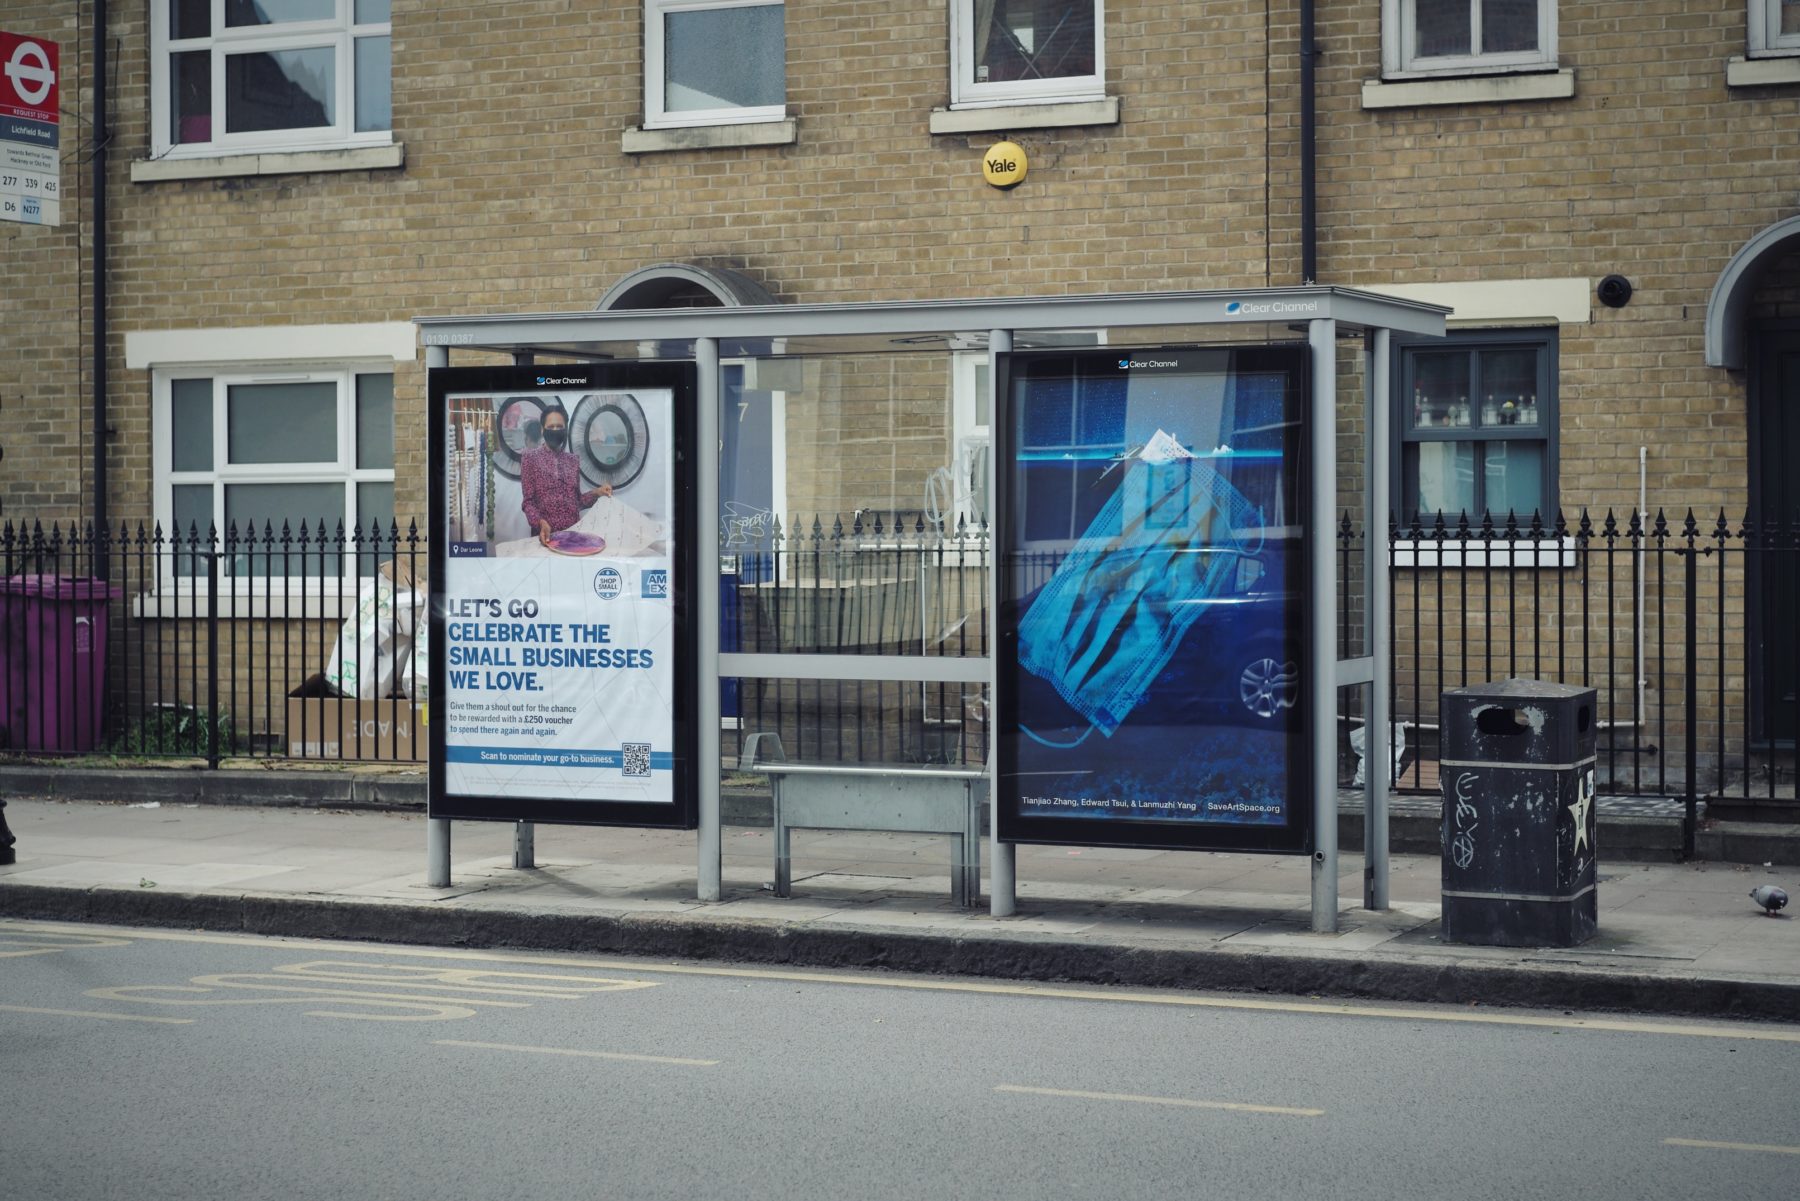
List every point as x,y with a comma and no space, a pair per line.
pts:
1769,897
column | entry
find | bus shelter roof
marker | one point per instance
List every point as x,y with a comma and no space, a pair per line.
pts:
900,324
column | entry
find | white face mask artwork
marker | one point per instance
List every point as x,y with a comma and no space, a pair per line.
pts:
1111,617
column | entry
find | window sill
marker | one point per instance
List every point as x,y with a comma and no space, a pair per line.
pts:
1477,89
287,162
1480,553
1761,72
711,137
1059,115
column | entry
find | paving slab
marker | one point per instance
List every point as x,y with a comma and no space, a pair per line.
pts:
1673,938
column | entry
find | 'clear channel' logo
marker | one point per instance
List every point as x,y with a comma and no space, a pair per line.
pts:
1251,309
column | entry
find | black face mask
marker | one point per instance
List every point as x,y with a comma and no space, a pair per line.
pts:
556,439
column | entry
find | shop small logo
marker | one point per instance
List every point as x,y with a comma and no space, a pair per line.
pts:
608,583
655,583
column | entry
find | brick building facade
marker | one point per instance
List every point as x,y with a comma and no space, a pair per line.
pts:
487,157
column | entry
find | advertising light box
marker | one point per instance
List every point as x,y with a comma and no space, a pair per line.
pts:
562,550
1152,590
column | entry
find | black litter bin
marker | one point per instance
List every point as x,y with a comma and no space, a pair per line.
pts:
1517,772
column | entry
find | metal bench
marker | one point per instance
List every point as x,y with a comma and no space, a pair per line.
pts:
902,799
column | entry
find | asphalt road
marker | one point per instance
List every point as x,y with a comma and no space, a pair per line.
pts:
150,1064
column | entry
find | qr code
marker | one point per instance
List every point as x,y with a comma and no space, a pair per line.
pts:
637,759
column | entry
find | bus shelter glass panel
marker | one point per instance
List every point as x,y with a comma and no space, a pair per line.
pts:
1152,585
852,497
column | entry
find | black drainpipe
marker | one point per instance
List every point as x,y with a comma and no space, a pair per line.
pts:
1309,191
102,135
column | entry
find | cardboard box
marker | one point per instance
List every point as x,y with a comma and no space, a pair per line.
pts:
322,726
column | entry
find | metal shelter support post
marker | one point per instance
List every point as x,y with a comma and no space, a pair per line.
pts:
524,833
437,829
710,842
1378,733
1321,687
1003,898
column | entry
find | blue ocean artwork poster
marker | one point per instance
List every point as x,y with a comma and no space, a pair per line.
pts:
1151,594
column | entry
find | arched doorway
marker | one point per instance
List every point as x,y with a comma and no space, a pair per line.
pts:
1753,325
683,286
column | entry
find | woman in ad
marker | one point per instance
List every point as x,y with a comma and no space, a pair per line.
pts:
550,479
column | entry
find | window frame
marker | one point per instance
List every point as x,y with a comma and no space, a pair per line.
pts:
340,33
1765,37
1547,430
968,390
656,114
342,470
1399,59
966,92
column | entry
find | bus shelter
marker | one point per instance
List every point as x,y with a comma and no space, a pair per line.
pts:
1199,487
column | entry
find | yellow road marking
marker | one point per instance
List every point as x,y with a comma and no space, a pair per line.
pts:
689,1063
1183,1102
1746,1032
18,937
94,1013
415,1009
543,985
1700,1142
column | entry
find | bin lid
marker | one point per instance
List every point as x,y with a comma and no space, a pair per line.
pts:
61,587
1518,689
1530,722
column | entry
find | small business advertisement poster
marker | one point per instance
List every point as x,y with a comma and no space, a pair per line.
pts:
562,672
1152,590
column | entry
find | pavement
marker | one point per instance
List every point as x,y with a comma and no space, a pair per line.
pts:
1635,829
1678,939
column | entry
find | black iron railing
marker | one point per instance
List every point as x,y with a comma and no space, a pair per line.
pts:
271,642
302,641
1685,628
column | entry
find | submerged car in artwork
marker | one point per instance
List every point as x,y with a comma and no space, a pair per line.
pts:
1236,660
